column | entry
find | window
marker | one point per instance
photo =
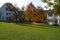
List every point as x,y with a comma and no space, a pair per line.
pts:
8,4
50,20
56,21
7,18
59,21
6,13
9,13
3,17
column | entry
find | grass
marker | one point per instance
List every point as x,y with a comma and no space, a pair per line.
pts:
12,31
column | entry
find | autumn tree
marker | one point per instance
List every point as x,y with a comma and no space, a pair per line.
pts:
34,14
27,14
41,15
31,13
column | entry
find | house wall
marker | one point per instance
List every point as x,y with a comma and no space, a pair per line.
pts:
54,19
3,13
50,19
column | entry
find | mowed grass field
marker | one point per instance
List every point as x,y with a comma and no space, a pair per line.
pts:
12,31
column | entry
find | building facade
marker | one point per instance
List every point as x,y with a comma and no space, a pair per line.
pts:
53,19
5,12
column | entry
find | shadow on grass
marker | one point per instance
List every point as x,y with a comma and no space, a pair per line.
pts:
45,26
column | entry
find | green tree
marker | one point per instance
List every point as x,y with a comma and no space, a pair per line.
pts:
21,15
54,3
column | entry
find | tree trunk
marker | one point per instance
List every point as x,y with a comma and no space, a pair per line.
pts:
16,17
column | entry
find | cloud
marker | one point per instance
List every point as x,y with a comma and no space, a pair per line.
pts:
18,2
21,3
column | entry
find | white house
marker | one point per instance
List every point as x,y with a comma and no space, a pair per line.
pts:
5,14
53,19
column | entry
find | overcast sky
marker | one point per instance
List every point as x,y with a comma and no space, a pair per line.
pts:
21,3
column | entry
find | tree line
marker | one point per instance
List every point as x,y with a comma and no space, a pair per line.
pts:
27,14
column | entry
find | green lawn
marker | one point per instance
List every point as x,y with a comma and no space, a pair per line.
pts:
12,31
